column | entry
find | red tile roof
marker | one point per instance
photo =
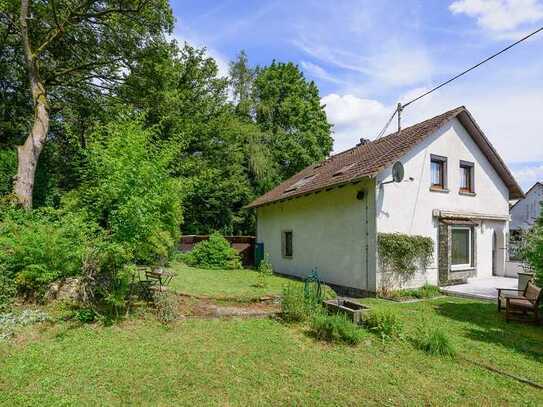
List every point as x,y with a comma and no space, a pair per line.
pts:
367,160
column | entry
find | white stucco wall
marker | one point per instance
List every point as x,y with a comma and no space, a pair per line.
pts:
329,232
527,210
407,207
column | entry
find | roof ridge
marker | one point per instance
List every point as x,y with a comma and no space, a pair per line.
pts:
358,146
368,159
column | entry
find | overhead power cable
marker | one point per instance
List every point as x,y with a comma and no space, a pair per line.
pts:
384,129
474,66
400,106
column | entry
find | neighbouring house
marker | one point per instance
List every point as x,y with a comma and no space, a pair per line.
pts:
456,190
525,211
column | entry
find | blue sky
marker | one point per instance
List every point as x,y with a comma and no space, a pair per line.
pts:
365,56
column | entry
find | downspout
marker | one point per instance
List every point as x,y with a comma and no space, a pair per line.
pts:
367,246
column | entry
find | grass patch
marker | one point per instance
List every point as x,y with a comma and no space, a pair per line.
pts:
265,362
238,285
435,341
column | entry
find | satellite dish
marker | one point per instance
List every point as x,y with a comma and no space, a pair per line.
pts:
397,172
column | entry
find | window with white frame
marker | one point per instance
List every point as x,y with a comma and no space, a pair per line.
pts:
462,247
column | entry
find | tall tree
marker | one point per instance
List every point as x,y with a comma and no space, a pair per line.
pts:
67,45
181,93
288,108
242,76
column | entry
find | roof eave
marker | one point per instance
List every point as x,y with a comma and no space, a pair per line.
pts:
354,180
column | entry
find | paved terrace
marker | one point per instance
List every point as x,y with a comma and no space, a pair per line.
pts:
481,288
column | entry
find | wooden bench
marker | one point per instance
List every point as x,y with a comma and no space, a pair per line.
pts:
520,302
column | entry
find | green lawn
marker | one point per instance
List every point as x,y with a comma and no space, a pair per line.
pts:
238,285
265,362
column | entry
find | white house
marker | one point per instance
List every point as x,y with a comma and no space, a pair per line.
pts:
456,190
525,211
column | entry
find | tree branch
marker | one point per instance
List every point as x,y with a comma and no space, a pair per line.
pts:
75,17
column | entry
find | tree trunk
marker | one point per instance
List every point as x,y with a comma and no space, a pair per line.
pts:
29,153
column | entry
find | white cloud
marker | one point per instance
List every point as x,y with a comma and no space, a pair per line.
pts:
319,72
354,118
389,65
529,175
500,16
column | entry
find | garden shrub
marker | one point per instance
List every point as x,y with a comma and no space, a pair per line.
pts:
165,305
214,253
8,291
294,305
532,250
426,291
384,323
107,276
265,271
128,190
335,328
435,341
8,169
402,255
39,247
85,315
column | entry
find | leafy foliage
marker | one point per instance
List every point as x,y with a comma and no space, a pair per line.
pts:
85,315
129,191
288,108
8,169
426,291
294,306
265,271
400,256
165,305
385,323
335,328
40,247
8,290
532,250
107,274
214,253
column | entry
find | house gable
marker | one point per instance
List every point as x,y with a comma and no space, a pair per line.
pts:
413,207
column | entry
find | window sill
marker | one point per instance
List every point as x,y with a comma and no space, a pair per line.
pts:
462,268
467,193
442,190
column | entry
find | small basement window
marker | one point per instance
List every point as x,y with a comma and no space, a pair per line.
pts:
466,177
462,247
438,172
286,243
